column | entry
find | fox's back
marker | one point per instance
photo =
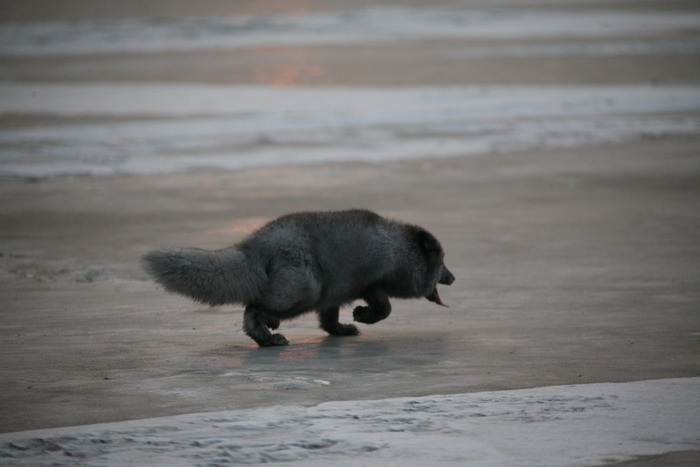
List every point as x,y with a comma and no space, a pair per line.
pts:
348,249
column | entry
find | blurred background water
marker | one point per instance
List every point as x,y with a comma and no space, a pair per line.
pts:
149,87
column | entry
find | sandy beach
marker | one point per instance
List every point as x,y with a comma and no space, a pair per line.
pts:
561,172
520,428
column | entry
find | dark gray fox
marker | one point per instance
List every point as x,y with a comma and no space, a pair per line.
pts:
310,261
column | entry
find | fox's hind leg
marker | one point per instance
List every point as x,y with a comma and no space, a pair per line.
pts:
254,325
328,319
379,306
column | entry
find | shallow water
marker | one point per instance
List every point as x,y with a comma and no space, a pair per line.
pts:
145,123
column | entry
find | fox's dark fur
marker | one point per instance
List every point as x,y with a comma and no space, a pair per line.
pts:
310,261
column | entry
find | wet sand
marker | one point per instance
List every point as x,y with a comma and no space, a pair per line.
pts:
574,265
428,62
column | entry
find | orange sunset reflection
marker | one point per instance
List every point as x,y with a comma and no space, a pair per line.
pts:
282,64
287,66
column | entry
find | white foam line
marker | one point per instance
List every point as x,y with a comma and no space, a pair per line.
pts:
553,426
233,127
610,48
350,26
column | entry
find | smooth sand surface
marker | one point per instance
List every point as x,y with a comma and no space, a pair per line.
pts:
575,265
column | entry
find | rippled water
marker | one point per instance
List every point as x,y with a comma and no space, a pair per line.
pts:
361,25
146,127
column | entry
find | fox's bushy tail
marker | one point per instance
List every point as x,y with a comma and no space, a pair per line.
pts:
211,277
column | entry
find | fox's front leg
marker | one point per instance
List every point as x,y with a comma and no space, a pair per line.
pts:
378,309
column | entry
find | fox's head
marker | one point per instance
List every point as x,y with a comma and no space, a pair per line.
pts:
437,271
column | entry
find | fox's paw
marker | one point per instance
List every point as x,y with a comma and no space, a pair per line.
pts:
275,339
364,314
345,330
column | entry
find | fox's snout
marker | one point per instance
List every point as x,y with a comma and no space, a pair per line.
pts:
447,277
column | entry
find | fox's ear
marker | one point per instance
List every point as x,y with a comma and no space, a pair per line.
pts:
428,242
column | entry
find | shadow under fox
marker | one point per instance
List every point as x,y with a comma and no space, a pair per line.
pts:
309,261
